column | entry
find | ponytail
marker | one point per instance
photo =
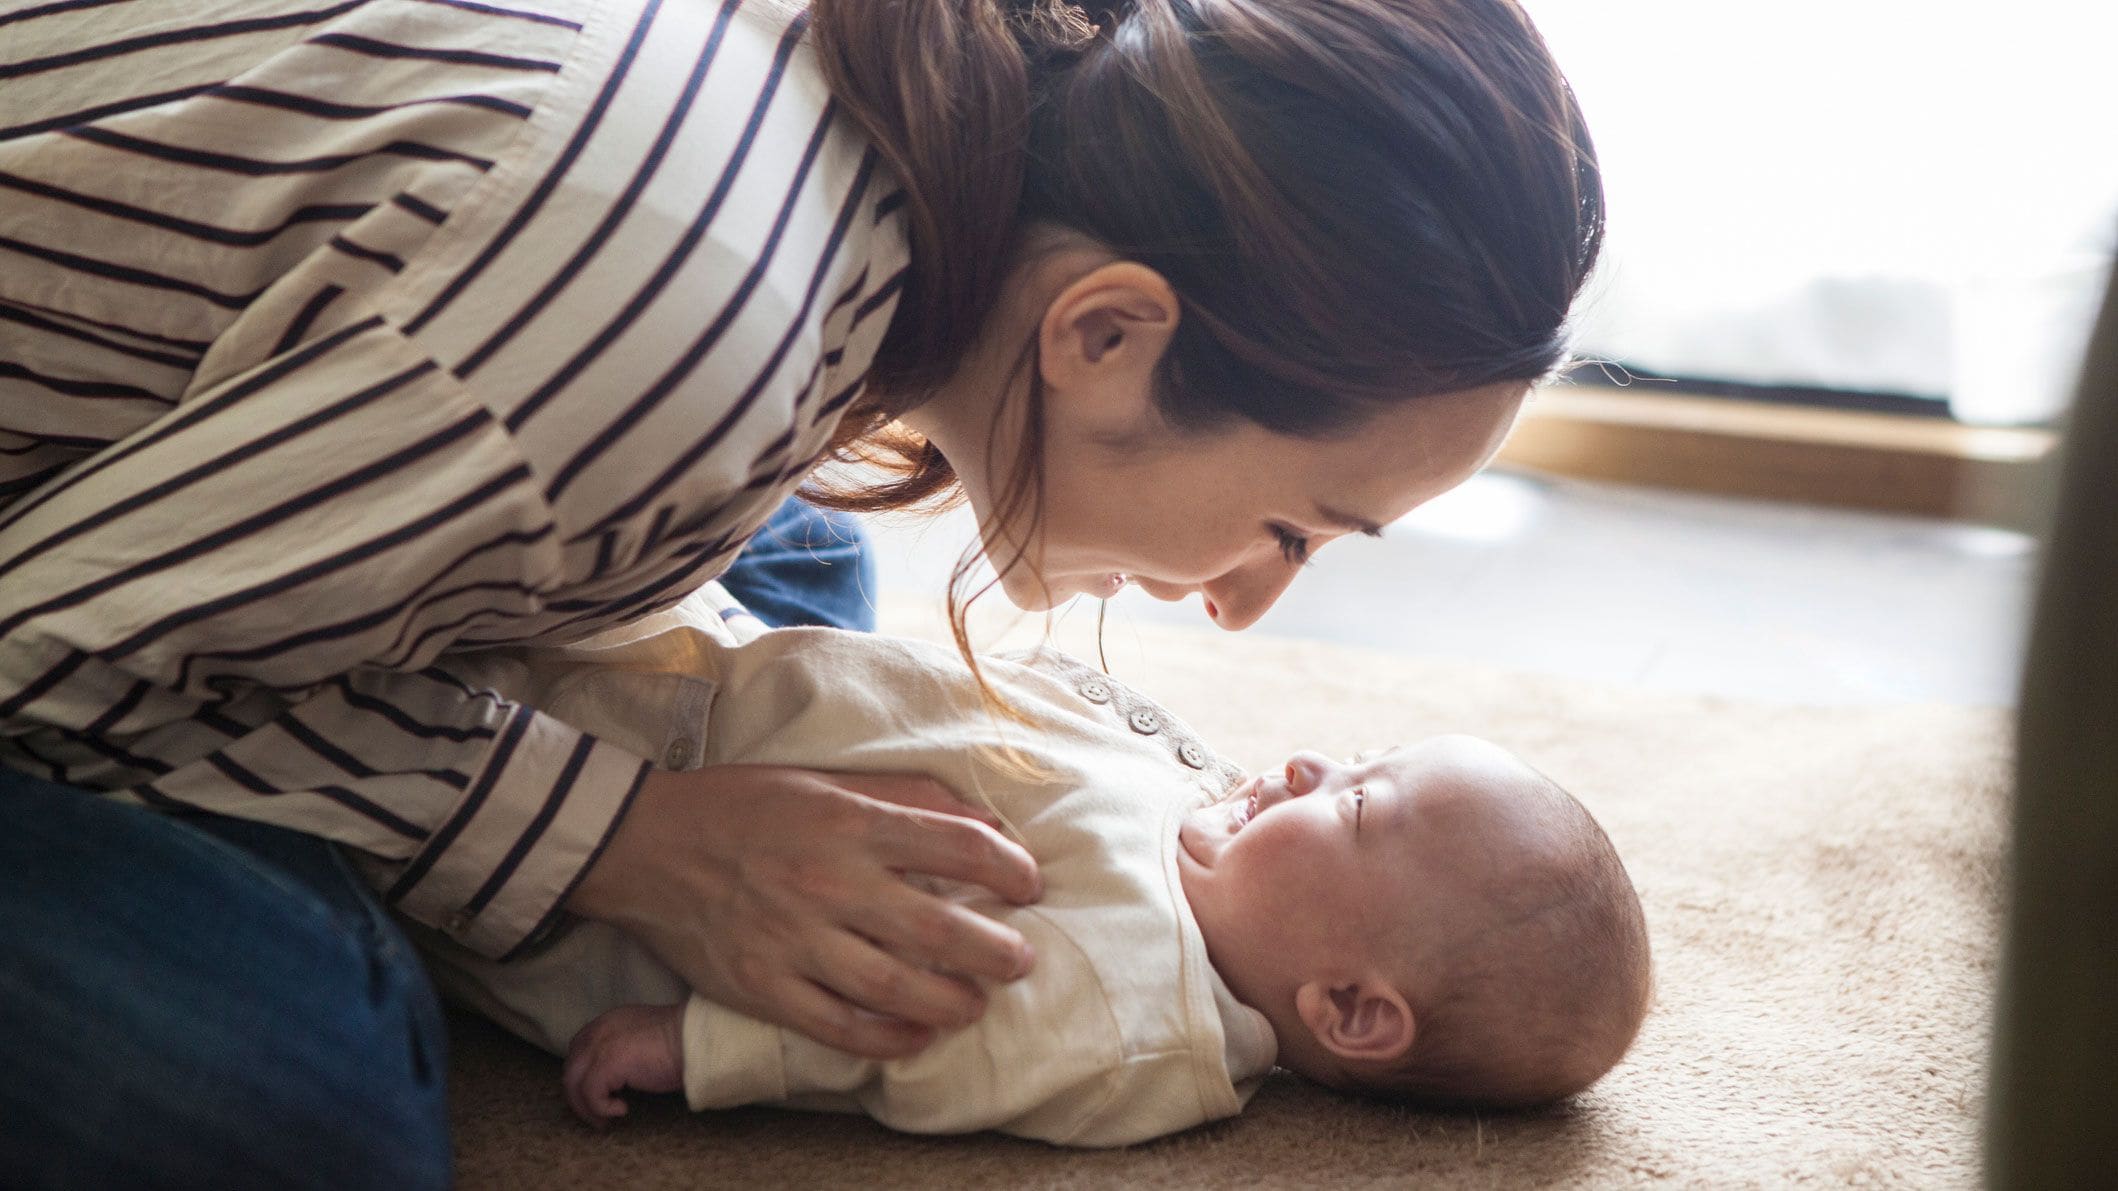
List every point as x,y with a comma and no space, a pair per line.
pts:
944,90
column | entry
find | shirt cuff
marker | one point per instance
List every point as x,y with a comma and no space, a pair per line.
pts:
499,868
730,1059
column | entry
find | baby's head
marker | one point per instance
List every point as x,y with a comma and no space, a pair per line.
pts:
1438,923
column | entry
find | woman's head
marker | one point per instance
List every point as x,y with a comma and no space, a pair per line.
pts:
1312,221
1231,510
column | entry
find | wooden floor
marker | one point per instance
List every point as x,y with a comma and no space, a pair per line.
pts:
1644,587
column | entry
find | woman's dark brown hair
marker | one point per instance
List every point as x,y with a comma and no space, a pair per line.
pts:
1357,202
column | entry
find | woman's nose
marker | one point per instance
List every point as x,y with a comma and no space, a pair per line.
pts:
1239,598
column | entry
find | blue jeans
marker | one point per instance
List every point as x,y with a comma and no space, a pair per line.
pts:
204,1002
807,567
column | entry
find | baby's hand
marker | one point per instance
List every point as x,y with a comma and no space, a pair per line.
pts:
633,1046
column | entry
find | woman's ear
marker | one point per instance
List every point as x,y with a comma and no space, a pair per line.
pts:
1103,337
1362,1021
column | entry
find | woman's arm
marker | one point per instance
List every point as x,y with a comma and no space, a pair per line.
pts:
559,369
243,608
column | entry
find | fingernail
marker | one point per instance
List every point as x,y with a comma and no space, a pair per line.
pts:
1029,959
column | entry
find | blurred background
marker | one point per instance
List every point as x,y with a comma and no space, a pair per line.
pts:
1890,196
1853,252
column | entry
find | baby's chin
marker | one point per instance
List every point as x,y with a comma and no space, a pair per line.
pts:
1205,831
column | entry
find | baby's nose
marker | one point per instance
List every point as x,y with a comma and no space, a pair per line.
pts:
1306,771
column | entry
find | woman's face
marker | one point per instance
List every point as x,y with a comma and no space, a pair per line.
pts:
1234,513
1231,514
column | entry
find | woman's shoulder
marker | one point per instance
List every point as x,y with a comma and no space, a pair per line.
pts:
674,282
685,186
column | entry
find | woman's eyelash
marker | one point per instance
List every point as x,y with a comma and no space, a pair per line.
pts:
1293,546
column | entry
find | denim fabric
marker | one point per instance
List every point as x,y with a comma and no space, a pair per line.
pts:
807,566
204,1002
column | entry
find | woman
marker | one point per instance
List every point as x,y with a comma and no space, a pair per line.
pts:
337,340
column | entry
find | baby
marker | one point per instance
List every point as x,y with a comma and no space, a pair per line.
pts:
1437,923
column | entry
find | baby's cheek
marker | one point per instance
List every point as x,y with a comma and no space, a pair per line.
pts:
1278,855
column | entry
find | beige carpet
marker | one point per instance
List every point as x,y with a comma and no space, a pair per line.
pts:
1820,885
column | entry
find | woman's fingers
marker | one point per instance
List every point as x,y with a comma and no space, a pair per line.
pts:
878,982
937,933
945,843
811,1009
913,790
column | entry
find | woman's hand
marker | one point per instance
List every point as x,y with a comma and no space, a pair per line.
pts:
779,892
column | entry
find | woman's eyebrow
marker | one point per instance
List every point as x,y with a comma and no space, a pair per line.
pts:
1349,522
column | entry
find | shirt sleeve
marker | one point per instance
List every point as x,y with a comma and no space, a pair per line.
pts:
219,613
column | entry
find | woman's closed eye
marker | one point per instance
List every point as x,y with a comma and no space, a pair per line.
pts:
1294,547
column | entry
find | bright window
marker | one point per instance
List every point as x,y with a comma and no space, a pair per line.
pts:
1881,195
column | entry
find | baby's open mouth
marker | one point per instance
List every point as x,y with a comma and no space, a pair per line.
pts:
1240,804
1205,831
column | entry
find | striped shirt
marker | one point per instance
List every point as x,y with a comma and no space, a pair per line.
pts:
338,336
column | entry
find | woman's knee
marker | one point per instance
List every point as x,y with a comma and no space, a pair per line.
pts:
807,566
184,1011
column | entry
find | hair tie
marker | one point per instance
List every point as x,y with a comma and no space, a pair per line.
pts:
1061,22
1108,13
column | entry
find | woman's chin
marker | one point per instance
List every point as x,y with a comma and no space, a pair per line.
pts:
1033,594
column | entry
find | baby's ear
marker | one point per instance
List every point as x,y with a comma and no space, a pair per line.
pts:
1363,1021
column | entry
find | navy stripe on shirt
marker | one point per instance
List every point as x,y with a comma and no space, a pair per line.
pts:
473,800
30,318
233,237
639,303
699,347
168,37
374,48
619,208
543,192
